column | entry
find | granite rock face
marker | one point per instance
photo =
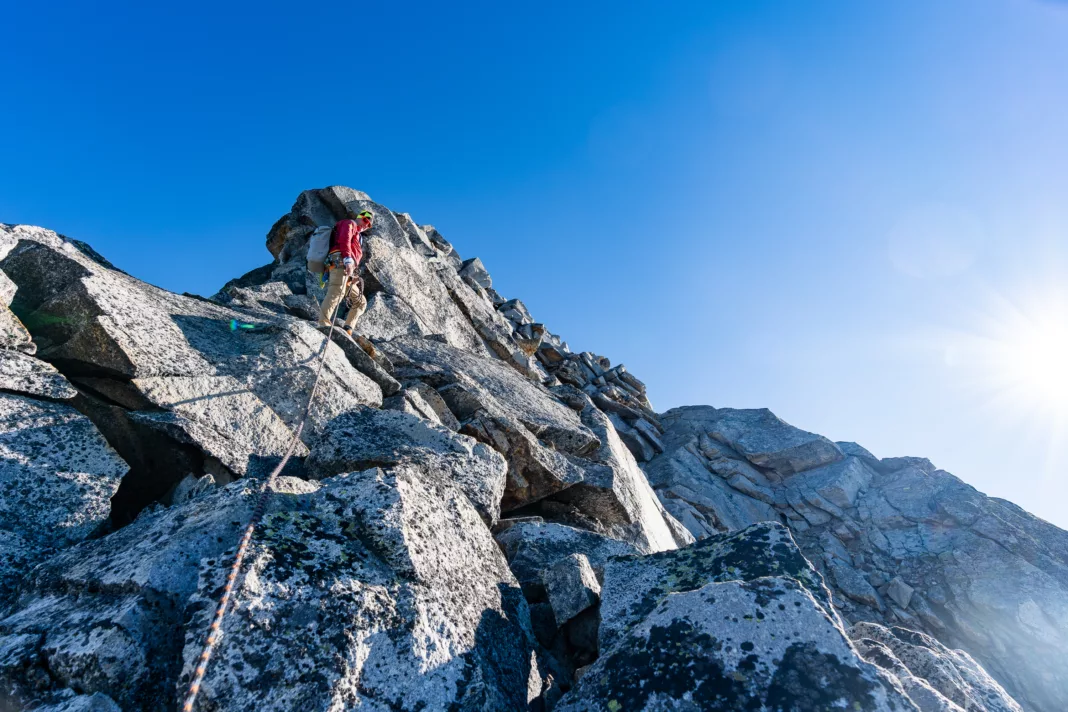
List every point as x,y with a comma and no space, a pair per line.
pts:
57,477
934,676
214,386
733,623
368,437
380,587
900,542
476,517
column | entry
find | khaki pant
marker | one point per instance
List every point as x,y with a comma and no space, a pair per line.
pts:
335,291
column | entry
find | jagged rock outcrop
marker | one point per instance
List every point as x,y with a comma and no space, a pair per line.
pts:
935,677
476,518
185,374
900,542
368,437
379,588
738,623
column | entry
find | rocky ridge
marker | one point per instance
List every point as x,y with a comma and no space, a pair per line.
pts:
478,518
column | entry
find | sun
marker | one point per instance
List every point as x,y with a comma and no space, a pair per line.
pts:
1023,352
1031,359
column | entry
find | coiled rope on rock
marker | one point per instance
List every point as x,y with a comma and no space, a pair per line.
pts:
215,631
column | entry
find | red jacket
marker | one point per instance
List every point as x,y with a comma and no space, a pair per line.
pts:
346,239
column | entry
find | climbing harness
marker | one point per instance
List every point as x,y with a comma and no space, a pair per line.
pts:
215,632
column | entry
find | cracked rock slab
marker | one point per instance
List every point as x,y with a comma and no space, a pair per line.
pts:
736,645
634,586
533,546
952,673
376,589
367,437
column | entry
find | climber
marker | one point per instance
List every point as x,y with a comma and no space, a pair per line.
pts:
343,268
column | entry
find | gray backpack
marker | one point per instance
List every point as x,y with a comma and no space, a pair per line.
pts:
318,248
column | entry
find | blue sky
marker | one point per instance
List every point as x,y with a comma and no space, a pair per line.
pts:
851,213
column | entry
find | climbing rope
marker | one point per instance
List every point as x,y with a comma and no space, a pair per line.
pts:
215,632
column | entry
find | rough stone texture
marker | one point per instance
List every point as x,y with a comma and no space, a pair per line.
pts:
95,702
474,271
615,493
57,476
633,586
233,392
218,415
500,391
900,591
767,441
367,437
366,365
704,484
572,587
925,697
379,589
498,406
22,373
952,673
490,324
708,628
533,546
405,275
13,334
901,543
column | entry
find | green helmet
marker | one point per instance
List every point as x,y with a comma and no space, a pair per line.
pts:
365,214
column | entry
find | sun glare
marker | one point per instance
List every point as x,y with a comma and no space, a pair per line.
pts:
1024,353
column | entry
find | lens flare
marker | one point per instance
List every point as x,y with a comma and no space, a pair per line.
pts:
1021,351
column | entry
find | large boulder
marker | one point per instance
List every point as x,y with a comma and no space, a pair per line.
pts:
731,623
22,373
491,325
367,437
533,546
398,271
500,391
57,477
633,586
229,384
379,588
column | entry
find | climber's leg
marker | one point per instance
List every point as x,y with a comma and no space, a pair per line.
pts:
357,306
333,296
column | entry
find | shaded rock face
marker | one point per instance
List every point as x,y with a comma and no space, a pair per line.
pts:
477,518
57,476
900,542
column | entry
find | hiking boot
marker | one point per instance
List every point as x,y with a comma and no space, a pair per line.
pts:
348,331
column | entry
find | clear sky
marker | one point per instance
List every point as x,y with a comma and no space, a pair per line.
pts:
852,213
